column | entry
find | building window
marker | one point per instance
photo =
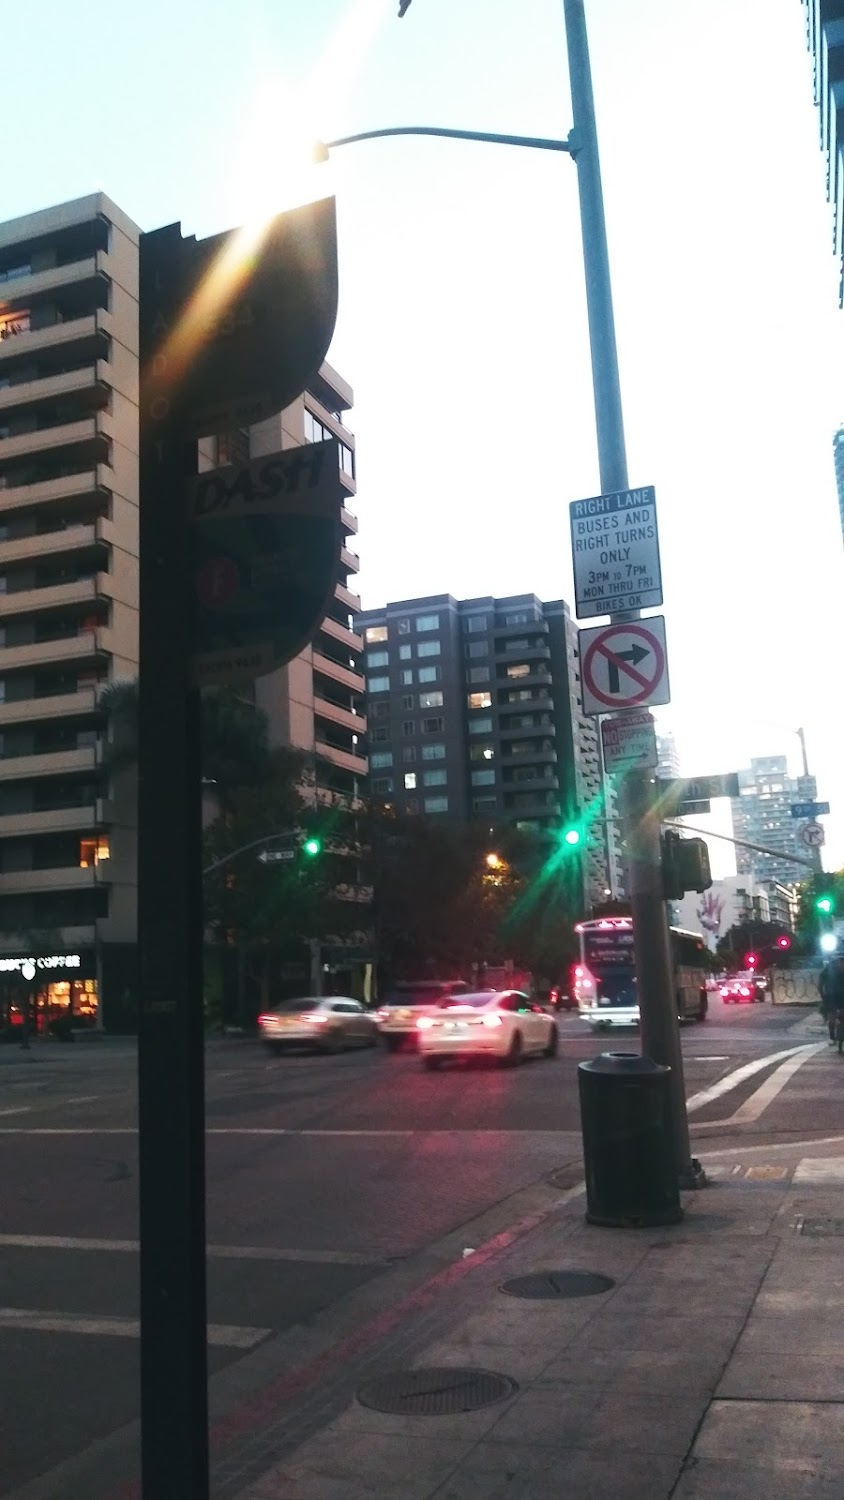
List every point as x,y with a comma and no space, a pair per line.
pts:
382,785
347,458
518,643
479,674
429,648
524,695
432,726
483,778
93,852
375,633
412,805
409,753
406,676
431,700
428,674
378,710
403,627
480,726
408,728
484,804
521,617
405,653
434,778
475,624
12,323
522,669
378,684
436,804
481,752
380,732
477,648
379,759
480,700
427,622
410,781
433,752
377,658
233,447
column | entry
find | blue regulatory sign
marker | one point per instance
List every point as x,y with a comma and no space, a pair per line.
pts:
809,809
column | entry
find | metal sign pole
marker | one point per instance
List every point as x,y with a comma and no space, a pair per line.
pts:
660,1035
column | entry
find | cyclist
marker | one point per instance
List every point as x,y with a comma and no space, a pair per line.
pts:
831,987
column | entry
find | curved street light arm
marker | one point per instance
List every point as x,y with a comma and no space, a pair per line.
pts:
536,142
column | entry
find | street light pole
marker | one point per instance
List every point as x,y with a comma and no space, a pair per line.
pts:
654,974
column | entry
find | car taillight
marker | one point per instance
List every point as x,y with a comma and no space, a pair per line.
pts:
492,1020
425,1022
314,1015
262,1020
744,990
383,1012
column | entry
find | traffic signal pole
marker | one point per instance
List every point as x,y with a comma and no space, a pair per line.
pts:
660,1037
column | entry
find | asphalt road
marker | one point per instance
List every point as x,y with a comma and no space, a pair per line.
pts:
322,1172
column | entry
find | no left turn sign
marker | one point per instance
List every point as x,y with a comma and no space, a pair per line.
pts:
624,666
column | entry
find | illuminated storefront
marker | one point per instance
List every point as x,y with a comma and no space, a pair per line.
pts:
57,992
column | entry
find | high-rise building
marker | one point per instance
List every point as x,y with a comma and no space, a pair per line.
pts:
838,459
825,37
69,610
667,759
762,816
474,712
68,599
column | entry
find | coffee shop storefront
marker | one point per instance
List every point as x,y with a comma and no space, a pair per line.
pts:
52,994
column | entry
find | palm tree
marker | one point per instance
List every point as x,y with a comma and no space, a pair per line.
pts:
234,736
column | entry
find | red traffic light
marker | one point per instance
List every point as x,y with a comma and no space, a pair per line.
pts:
751,960
783,942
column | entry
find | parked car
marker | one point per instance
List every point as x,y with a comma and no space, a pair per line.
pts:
328,1024
406,1002
502,1024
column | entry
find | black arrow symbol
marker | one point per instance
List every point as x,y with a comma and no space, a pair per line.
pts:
634,656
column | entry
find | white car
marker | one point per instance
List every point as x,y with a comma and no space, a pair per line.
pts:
329,1024
502,1024
407,1002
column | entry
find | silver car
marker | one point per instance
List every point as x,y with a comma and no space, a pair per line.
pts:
329,1024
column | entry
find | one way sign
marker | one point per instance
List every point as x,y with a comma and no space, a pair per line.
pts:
624,666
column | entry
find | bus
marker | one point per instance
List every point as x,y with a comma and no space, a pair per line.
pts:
605,978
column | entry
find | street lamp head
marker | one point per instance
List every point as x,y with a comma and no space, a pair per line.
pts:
319,152
829,942
494,861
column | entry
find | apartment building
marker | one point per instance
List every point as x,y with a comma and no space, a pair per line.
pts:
68,601
474,712
762,816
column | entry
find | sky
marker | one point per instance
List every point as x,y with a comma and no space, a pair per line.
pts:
462,324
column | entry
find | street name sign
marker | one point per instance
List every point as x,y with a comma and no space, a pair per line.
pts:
275,856
265,551
700,788
630,741
624,666
615,553
809,809
813,835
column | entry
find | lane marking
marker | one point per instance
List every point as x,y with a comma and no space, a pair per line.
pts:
823,1140
696,1058
819,1170
223,1335
214,1252
732,1080
25,1109
766,1092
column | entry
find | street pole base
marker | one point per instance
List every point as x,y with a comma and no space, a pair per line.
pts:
648,1219
692,1177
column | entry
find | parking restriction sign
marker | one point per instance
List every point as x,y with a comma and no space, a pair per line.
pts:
624,666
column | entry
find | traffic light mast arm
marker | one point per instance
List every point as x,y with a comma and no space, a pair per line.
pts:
743,844
269,838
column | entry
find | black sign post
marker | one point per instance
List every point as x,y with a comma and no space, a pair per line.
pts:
230,331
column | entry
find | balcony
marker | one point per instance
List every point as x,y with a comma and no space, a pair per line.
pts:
548,782
86,332
65,435
69,878
350,522
63,487
323,709
534,626
345,596
342,634
48,544
350,560
535,678
55,706
538,756
52,763
344,760
67,939
538,650
80,648
510,731
92,381
39,284
56,820
52,596
328,668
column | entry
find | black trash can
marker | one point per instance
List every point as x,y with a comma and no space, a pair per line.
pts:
628,1147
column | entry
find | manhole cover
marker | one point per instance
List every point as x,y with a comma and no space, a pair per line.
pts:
819,1228
558,1284
435,1392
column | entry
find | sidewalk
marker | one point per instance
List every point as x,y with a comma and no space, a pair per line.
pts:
712,1368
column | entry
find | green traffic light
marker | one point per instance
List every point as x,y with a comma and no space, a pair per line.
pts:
572,837
824,904
312,847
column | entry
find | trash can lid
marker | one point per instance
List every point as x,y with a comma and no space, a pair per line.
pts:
629,1063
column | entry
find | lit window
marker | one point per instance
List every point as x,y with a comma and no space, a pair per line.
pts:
428,674
377,658
433,752
12,323
410,781
480,700
428,622
429,648
92,852
436,804
380,759
431,700
434,778
480,726
378,684
376,633
521,670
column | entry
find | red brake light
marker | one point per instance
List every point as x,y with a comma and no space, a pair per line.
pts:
263,1019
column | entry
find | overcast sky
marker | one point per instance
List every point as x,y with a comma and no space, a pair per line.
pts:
462,319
